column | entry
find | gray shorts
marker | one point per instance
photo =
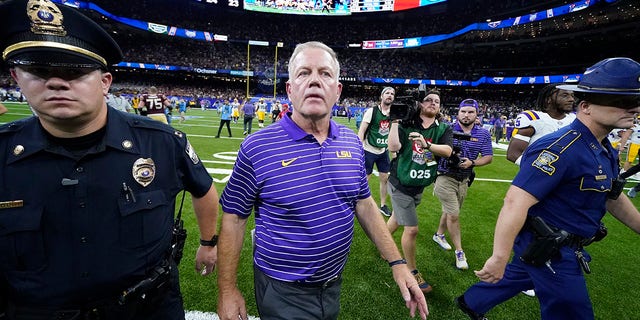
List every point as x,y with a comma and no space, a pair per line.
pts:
404,206
451,193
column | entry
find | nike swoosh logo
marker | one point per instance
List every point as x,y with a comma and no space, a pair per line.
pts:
286,163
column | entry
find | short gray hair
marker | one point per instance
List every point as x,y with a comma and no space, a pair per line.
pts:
316,45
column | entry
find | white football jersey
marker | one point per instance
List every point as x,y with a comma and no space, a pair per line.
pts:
635,135
541,122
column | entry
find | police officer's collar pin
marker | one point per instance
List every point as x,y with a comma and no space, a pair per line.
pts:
127,144
18,150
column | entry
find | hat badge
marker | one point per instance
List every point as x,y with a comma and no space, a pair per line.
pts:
46,18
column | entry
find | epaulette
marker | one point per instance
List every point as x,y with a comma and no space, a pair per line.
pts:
13,126
561,144
148,123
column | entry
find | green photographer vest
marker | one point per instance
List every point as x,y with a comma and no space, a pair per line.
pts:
378,130
416,166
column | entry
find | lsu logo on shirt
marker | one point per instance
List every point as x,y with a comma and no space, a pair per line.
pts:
343,154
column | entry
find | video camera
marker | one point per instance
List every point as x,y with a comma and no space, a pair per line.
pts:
405,106
454,161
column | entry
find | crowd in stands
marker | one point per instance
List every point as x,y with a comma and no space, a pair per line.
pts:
503,52
514,51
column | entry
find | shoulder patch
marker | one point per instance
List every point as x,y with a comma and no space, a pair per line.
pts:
192,153
545,161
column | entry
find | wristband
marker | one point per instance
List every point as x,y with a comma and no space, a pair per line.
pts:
473,163
428,145
210,243
396,262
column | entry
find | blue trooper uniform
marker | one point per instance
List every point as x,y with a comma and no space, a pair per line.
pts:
78,228
570,173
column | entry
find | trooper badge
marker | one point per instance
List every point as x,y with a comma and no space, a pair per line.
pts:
144,170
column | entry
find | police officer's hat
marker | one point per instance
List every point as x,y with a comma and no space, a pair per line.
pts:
613,76
41,33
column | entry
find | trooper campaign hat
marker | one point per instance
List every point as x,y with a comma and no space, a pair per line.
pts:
613,76
41,33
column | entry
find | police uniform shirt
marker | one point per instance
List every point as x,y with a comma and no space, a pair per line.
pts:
69,231
570,173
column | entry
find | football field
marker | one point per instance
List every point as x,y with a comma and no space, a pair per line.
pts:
369,291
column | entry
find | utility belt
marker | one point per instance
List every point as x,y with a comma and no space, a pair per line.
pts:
548,240
143,295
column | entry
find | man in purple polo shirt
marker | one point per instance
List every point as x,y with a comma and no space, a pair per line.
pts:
302,240
470,141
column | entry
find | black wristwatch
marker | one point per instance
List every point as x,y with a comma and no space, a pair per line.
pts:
210,243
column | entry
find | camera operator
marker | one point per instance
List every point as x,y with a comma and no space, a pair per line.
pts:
455,175
420,140
374,132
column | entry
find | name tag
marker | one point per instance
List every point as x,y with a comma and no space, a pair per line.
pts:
601,177
11,204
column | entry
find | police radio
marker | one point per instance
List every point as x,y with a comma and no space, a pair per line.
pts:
617,184
179,234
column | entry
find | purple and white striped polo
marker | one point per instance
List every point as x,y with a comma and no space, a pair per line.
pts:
304,195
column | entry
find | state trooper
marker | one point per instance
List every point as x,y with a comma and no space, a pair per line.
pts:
567,182
87,193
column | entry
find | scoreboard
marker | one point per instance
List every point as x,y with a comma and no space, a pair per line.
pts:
392,43
389,5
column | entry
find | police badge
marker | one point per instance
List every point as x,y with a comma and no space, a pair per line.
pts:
143,171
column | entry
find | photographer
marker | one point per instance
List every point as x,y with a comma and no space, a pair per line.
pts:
419,140
374,132
455,175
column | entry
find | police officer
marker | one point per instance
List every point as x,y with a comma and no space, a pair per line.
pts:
87,193
557,200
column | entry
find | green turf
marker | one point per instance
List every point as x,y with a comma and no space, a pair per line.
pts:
368,291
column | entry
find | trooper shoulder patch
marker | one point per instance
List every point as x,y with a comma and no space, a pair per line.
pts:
545,161
192,153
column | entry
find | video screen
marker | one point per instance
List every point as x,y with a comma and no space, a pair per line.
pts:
302,7
225,3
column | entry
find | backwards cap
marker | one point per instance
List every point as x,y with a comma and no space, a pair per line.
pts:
469,103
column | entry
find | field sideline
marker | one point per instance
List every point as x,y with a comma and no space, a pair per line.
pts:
368,289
